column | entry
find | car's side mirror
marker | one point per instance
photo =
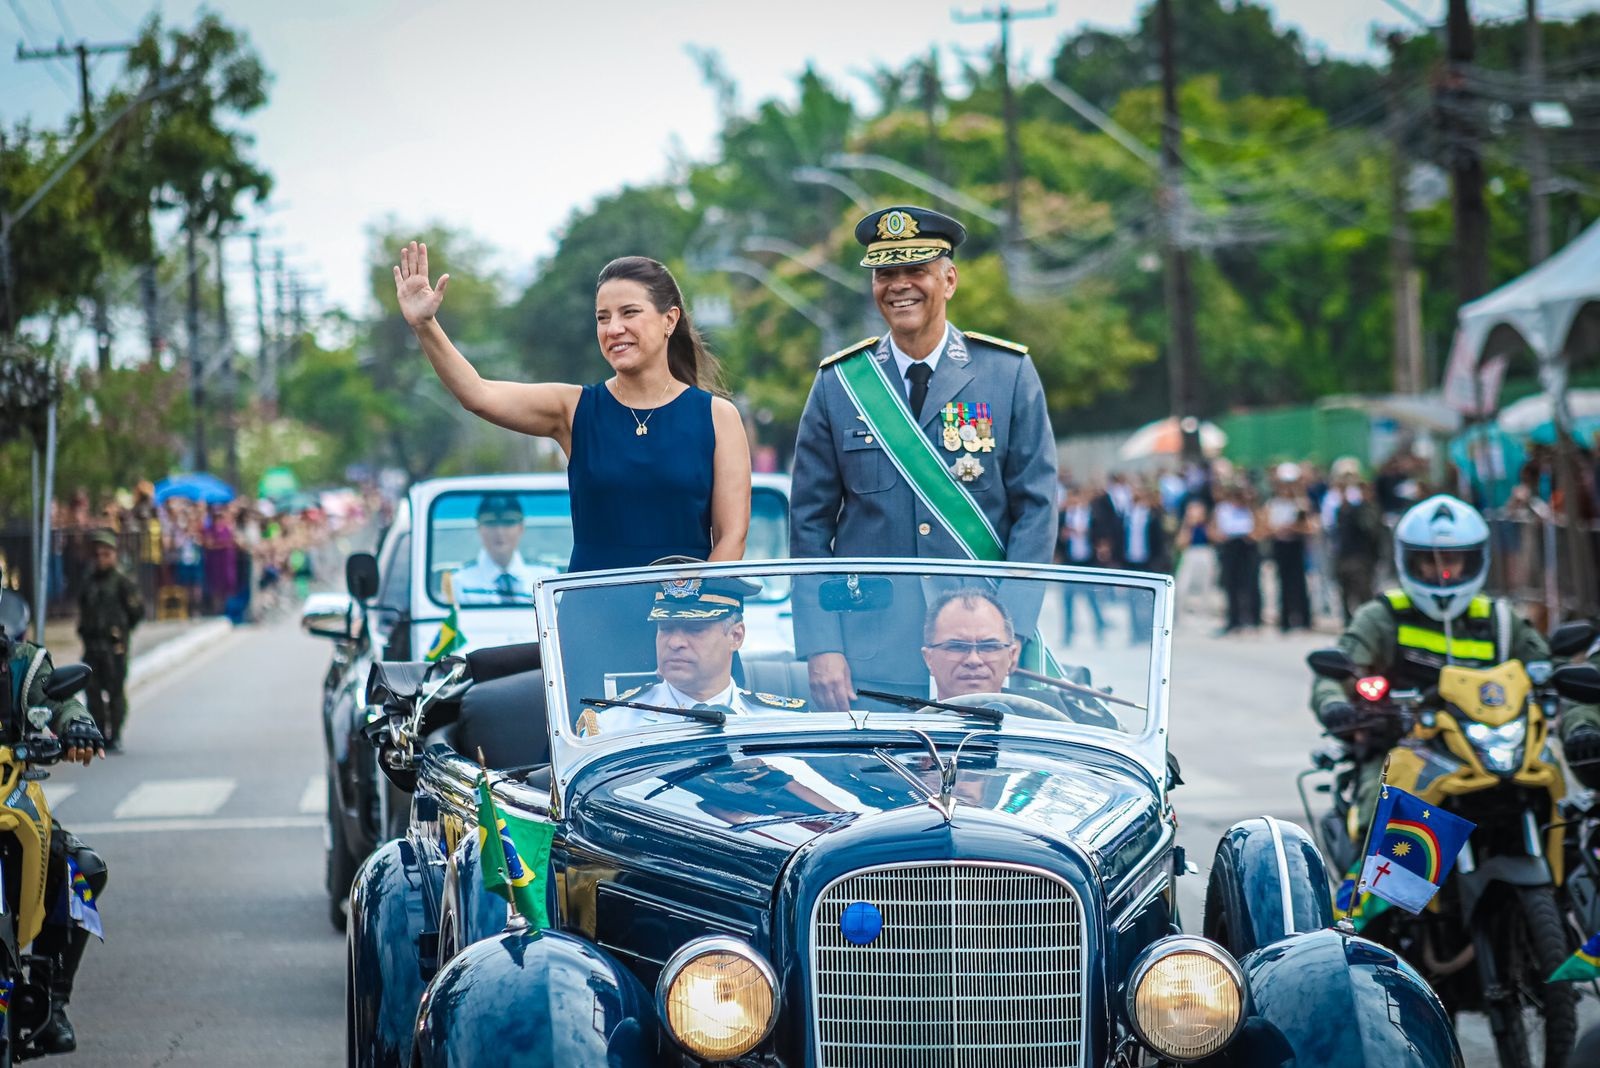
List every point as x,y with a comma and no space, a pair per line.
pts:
361,576
1578,682
1573,637
66,681
329,615
855,594
1332,664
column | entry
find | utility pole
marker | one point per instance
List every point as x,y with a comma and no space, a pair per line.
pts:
266,383
83,50
1004,15
1182,356
1404,282
1538,152
1466,164
197,363
227,373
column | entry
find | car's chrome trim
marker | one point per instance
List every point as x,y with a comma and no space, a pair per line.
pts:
1285,891
1153,953
1154,886
813,963
697,947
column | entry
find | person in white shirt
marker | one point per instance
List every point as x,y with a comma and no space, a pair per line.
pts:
699,627
499,575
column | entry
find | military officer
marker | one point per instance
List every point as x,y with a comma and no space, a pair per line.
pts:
500,575
25,669
699,625
928,442
109,607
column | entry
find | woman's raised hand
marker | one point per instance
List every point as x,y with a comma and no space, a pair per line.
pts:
419,301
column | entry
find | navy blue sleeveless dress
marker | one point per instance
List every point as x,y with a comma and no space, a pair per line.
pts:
637,498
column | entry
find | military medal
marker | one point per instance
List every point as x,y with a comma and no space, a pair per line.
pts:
968,468
985,427
952,436
969,437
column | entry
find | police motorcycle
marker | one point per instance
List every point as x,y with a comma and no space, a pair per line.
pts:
29,981
1478,745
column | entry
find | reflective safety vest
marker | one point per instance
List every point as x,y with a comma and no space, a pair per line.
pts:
1422,648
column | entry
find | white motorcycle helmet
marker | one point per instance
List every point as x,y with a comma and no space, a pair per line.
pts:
1441,553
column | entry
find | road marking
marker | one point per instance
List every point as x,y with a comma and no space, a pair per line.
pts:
221,823
314,801
174,797
55,793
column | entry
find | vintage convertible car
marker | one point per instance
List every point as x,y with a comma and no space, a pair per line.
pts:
397,600
972,865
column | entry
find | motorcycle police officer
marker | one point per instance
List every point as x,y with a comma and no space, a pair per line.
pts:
1437,617
25,669
109,607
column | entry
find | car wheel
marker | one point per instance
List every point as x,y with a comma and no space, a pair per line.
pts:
340,866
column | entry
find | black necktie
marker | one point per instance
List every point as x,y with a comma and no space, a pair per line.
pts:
919,373
506,586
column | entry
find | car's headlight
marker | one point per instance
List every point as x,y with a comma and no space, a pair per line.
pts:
718,997
1500,748
1185,997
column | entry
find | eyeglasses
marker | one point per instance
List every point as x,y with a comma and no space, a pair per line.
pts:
989,647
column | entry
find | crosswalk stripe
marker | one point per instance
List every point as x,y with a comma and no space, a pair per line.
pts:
217,823
57,792
168,798
314,801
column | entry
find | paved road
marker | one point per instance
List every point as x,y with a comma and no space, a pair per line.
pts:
218,947
220,952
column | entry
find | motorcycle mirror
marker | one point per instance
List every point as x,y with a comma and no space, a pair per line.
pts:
66,681
1578,682
1332,664
14,615
361,576
1573,637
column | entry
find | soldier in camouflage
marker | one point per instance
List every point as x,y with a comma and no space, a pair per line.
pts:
109,607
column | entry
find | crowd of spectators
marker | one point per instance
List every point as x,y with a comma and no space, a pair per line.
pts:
236,559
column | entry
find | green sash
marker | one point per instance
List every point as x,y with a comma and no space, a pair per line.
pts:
909,449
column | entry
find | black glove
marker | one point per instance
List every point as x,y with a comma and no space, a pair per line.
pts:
1339,717
82,734
1582,747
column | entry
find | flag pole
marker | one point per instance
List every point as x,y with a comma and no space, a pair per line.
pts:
1366,842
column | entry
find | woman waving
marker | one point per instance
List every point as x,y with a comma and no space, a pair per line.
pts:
651,441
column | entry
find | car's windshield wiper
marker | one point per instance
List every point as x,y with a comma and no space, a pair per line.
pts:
985,712
704,715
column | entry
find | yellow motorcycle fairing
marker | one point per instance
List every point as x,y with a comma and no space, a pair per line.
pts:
1492,696
25,813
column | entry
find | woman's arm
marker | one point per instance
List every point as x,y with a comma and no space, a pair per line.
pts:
540,408
730,482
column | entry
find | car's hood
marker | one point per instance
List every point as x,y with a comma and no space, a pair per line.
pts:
733,816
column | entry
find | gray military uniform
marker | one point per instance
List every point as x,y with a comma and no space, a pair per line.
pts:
849,499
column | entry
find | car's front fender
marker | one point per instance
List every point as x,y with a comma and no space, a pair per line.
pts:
1267,882
536,1000
1331,998
386,920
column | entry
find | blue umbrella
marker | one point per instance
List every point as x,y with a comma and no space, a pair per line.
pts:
198,486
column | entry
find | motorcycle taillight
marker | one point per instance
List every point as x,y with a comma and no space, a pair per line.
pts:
1373,688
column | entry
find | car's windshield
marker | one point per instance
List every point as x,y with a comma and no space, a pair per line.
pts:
487,547
706,647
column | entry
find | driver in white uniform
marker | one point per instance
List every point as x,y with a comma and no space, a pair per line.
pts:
699,626
500,575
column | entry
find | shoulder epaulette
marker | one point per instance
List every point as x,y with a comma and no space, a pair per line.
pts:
849,350
629,694
772,700
997,341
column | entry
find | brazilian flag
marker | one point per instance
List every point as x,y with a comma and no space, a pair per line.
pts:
1582,966
516,860
449,639
1359,909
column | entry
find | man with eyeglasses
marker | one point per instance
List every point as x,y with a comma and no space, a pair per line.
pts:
969,644
499,575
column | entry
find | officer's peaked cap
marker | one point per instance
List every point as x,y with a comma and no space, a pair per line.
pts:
904,234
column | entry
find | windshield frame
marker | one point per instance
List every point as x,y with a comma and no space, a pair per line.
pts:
569,755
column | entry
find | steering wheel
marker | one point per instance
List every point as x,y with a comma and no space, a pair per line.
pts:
1017,704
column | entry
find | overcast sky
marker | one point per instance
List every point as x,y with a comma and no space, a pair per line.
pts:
504,118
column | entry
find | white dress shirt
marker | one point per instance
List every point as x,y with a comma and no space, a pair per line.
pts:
667,695
479,582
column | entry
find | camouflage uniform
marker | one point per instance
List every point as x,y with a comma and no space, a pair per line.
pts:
28,670
109,607
1390,637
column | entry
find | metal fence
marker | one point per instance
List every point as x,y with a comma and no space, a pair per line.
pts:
1545,566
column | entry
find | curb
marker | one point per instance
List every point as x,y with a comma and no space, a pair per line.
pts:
169,653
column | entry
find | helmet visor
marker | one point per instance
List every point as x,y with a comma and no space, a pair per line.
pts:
1444,568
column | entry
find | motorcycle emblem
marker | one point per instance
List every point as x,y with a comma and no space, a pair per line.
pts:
681,589
1492,695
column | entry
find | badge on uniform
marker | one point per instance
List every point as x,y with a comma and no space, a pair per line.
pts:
967,427
968,468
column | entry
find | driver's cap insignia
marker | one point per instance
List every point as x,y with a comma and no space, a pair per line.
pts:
1492,694
678,589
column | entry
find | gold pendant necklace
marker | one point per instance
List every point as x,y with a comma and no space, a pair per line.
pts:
642,427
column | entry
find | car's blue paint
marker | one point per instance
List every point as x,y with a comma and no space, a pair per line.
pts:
1258,861
1328,998
543,1000
387,919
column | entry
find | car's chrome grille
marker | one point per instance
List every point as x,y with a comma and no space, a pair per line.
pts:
976,964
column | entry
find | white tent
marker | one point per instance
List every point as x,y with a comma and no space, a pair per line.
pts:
1541,306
